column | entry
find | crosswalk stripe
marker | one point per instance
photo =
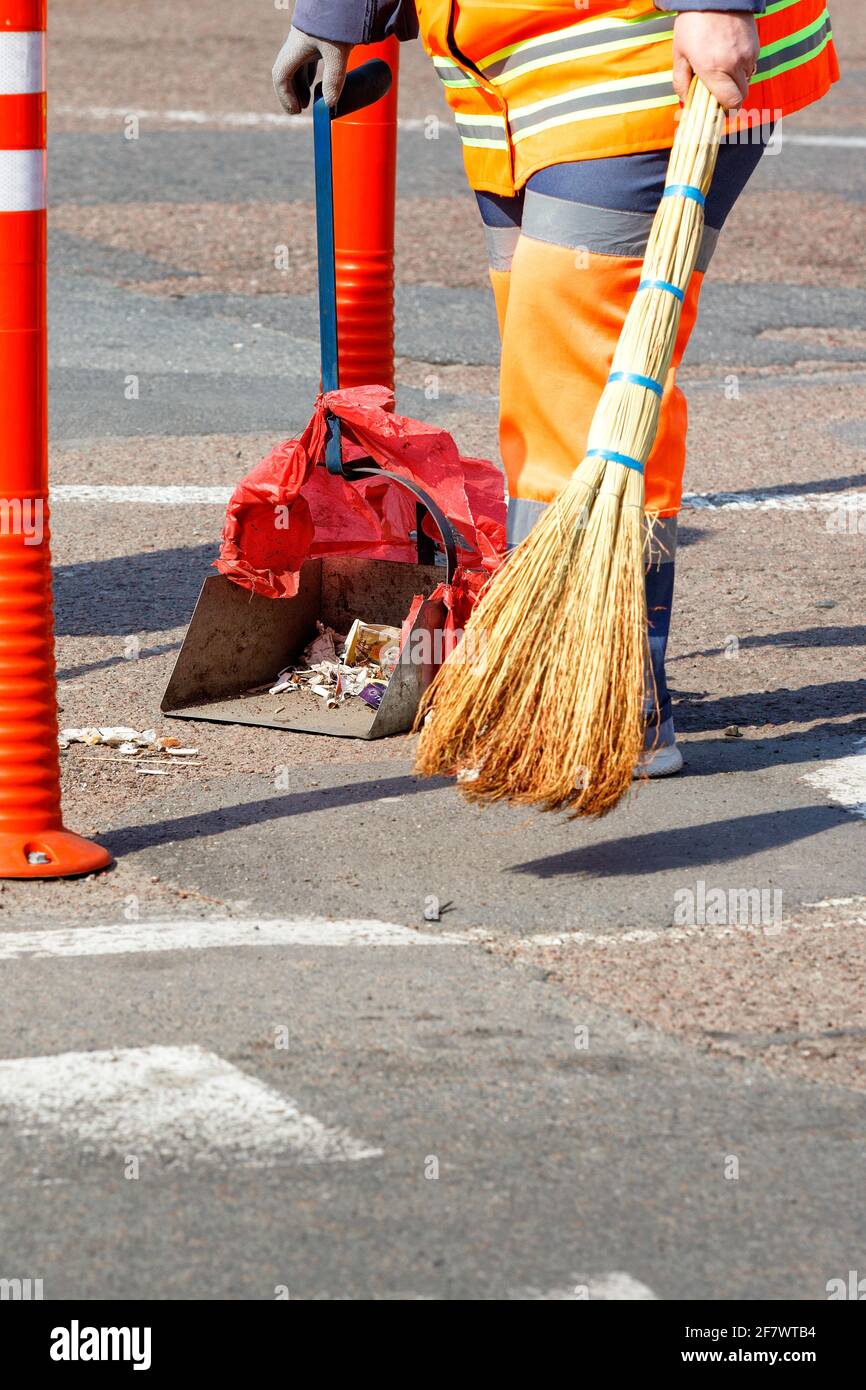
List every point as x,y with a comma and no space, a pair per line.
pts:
640,936
176,1105
843,780
132,938
613,1287
616,1287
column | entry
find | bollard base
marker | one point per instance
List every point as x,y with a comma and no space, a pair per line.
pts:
50,854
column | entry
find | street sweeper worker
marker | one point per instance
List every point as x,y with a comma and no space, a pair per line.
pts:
567,112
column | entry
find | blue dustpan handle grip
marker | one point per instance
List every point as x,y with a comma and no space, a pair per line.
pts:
322,117
364,85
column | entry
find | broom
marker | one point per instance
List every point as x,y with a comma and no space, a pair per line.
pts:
542,702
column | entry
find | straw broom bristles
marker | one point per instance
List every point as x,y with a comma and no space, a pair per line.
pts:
543,700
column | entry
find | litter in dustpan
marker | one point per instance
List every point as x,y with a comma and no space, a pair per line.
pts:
341,668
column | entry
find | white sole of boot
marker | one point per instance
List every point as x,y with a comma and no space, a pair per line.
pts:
659,762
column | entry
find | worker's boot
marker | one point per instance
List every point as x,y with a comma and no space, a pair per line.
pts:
661,756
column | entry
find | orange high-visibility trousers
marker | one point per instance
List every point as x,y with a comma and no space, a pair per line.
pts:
559,336
566,258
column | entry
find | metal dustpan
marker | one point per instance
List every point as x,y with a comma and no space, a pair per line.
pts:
237,641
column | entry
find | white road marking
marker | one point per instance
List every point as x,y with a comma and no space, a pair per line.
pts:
616,1287
643,936
132,938
844,780
176,1104
646,936
135,938
761,501
835,142
147,495
252,120
249,120
842,376
586,938
183,117
838,902
144,495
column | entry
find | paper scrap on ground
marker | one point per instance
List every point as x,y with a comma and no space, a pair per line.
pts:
130,743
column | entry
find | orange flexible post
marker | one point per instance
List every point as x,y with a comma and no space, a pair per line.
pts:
33,841
365,172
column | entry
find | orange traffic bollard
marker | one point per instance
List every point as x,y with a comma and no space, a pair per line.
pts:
365,172
33,842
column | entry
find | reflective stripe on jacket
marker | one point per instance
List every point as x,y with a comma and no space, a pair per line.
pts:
531,86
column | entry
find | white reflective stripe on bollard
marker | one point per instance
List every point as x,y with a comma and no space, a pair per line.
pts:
22,180
22,64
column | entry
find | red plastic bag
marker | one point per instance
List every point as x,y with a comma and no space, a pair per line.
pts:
289,509
458,598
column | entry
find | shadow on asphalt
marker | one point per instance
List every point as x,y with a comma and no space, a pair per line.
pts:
78,255
68,673
228,818
802,637
711,756
844,484
621,856
688,846
829,700
144,592
689,535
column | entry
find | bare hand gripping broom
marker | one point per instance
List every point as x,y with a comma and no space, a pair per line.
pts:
542,701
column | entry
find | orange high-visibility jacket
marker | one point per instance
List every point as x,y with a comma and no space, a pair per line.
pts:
537,84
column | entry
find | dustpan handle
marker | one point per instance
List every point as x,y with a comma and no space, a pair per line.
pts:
426,504
364,85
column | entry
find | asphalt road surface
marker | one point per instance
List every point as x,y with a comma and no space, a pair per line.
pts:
243,1062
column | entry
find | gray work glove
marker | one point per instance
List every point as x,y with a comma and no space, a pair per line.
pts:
295,70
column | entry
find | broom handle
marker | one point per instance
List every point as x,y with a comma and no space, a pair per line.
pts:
648,340
690,173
